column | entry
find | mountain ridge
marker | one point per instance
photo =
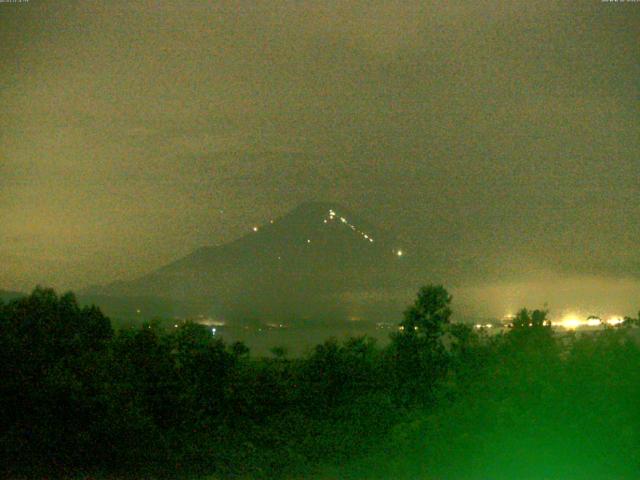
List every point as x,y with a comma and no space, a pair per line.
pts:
303,263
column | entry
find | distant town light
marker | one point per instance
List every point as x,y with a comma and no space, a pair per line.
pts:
255,229
308,240
615,321
399,253
571,322
213,331
593,322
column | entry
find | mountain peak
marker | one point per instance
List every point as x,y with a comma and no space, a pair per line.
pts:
300,264
322,207
321,218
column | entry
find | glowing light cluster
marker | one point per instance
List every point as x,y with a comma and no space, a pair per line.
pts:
593,322
613,321
572,322
333,216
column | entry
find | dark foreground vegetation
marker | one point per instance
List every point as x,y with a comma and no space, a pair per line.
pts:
441,401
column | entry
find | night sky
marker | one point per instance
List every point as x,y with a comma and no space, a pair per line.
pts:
500,140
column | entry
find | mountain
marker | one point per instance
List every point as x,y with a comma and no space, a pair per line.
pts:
312,263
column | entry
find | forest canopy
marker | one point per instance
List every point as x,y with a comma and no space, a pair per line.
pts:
441,400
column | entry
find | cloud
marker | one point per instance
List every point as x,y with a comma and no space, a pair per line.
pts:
481,133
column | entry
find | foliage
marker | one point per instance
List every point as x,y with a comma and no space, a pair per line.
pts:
440,401
420,357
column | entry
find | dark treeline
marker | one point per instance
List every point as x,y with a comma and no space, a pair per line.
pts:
441,400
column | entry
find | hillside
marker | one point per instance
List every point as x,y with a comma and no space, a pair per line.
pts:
311,263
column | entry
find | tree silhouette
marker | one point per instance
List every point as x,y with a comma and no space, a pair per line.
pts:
421,358
279,352
429,314
152,401
536,319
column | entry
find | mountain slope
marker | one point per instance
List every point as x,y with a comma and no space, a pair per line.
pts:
300,265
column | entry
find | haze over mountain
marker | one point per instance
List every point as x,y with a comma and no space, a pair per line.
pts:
498,140
318,262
